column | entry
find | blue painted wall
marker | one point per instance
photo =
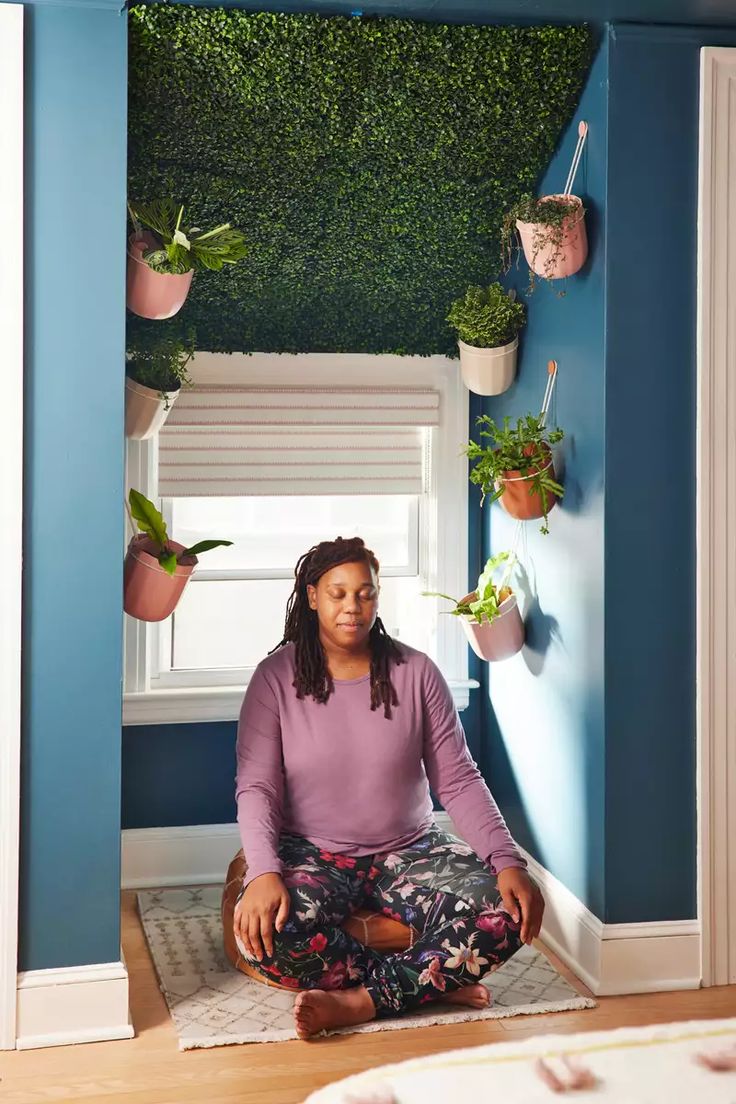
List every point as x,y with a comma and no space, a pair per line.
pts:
75,224
591,734
650,464
178,774
546,715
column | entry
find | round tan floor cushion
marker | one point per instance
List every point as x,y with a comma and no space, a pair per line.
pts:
377,931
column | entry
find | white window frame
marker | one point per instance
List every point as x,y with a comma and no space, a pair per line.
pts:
147,701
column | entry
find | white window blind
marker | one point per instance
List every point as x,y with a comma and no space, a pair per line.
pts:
296,440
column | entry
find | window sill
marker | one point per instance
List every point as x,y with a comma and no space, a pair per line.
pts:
221,703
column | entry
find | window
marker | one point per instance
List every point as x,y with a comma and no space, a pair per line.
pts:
232,612
277,463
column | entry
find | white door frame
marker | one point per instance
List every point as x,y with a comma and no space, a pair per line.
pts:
716,516
11,497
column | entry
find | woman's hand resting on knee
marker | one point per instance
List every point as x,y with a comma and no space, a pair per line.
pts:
263,907
523,900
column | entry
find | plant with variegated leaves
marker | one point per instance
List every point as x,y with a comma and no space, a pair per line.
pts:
178,250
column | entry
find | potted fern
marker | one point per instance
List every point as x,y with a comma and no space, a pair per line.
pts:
163,256
487,321
490,614
552,233
156,569
517,468
155,372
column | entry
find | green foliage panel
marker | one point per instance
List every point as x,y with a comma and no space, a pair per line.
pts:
368,161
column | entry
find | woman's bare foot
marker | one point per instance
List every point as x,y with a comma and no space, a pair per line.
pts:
473,996
317,1010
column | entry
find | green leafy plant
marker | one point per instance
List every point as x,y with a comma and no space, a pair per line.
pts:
524,450
151,522
548,215
370,161
161,362
180,250
487,317
487,596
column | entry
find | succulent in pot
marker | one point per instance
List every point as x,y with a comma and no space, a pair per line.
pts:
517,468
156,568
488,321
163,256
490,614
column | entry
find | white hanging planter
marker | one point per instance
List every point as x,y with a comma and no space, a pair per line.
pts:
145,409
500,638
488,371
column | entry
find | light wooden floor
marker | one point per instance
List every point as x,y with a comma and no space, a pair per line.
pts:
151,1070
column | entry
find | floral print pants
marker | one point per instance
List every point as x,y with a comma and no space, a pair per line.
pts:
437,885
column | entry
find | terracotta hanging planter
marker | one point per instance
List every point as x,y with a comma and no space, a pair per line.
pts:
149,592
500,638
145,409
150,294
488,371
520,498
556,252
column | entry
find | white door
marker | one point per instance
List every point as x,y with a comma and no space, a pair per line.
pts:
716,522
11,500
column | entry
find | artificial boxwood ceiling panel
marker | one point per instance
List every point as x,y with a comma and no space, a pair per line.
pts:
368,162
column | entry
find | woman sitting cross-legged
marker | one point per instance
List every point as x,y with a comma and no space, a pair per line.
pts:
342,732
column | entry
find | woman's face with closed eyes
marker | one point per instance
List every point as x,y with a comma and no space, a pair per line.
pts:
346,601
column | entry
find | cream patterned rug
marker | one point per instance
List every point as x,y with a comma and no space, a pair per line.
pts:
213,1004
660,1064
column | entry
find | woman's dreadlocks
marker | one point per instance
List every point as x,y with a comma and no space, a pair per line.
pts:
301,627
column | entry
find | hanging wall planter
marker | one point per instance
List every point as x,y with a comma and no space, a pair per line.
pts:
529,492
490,614
500,638
551,229
517,467
487,321
163,257
156,370
151,593
146,410
152,294
156,569
556,245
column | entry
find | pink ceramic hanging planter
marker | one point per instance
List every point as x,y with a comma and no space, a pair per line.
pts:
149,592
500,638
555,252
150,294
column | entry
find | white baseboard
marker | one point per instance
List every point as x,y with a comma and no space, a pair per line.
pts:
192,855
609,958
74,1004
613,959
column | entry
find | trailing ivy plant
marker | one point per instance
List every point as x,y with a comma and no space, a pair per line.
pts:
487,317
178,250
524,450
549,215
370,161
488,596
151,522
160,361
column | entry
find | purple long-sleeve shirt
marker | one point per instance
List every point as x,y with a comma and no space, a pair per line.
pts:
348,779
